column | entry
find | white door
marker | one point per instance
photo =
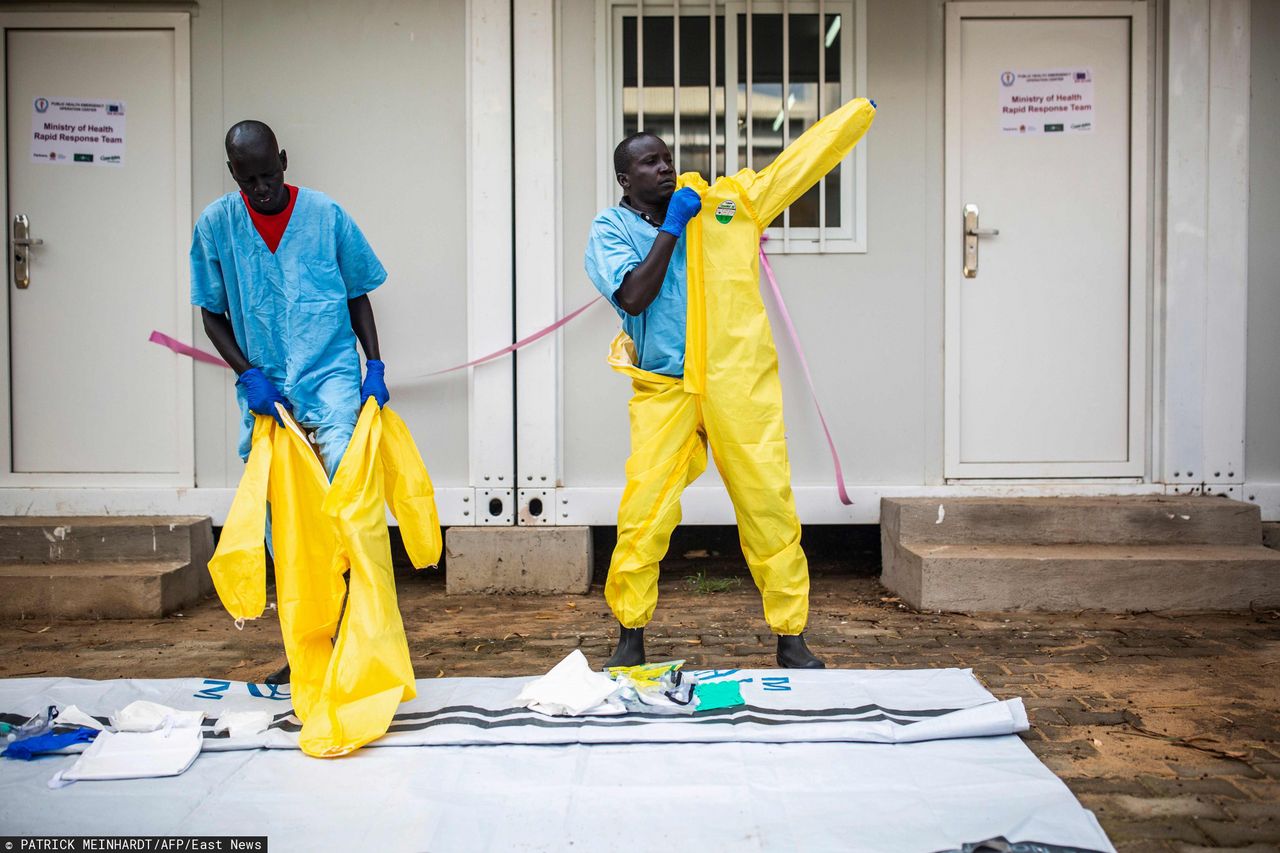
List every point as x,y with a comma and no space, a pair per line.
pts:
97,164
1045,321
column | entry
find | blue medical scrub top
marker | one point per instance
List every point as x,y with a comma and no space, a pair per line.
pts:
289,309
620,239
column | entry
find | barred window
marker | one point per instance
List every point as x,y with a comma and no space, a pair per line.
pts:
730,84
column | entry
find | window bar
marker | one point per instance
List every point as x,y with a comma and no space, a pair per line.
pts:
711,143
822,86
640,66
675,82
751,119
786,109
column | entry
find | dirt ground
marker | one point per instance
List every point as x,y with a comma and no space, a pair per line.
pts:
1168,727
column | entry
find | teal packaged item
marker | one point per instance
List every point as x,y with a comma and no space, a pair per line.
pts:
718,694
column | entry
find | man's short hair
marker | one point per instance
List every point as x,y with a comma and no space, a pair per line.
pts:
622,157
249,133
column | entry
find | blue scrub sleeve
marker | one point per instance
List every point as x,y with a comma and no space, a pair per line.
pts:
208,290
610,256
361,270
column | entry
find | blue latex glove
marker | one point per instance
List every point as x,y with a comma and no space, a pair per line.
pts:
29,748
684,205
262,394
374,384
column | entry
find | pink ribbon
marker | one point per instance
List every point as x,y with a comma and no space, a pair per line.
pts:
209,358
804,363
182,349
520,344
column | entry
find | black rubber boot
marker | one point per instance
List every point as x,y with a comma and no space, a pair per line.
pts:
280,676
794,654
630,650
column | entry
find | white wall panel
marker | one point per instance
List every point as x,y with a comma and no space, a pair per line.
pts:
537,300
1263,428
488,246
1207,241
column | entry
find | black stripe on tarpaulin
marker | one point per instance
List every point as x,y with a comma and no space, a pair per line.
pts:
1000,845
497,713
620,721
490,718
449,715
452,715
835,715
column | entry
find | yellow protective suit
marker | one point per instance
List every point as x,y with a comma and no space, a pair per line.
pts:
730,395
345,693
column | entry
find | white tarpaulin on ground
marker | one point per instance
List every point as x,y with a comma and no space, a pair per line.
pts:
831,760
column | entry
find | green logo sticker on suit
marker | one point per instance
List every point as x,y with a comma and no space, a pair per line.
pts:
725,212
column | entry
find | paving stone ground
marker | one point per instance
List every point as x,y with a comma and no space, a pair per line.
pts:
1167,727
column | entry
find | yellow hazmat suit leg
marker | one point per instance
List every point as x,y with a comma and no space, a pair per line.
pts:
345,693
731,371
668,451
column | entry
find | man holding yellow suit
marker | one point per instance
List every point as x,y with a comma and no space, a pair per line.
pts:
678,259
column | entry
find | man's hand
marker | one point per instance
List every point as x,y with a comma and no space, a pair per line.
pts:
262,394
684,205
374,385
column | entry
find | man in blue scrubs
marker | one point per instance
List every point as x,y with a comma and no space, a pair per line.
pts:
282,275
636,253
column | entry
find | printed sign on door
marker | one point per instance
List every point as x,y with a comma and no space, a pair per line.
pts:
76,130
1048,102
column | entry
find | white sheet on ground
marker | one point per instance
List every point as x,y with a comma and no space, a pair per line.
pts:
918,760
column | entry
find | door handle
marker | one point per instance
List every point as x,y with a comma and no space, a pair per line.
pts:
971,234
22,242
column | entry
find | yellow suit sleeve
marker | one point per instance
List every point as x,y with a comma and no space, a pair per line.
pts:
409,492
803,163
239,566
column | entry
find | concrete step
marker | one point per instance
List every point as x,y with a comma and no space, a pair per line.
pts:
105,539
1138,520
540,560
115,590
974,578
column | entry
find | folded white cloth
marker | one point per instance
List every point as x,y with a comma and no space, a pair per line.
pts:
144,716
134,755
571,689
73,716
241,723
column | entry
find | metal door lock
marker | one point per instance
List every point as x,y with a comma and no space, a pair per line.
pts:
22,242
971,234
